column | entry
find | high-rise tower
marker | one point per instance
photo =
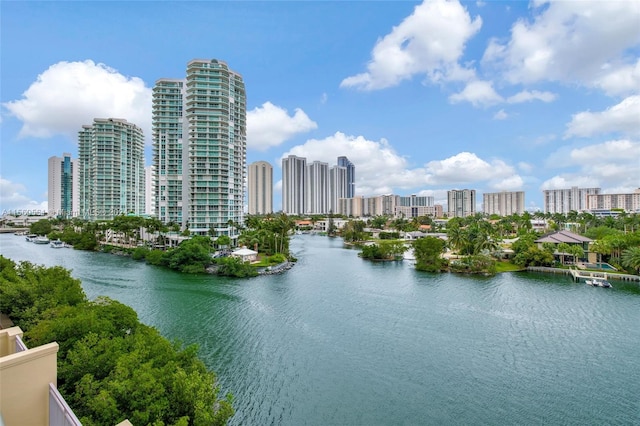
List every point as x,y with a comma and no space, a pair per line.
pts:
63,197
461,203
294,178
167,149
111,172
351,175
260,188
203,123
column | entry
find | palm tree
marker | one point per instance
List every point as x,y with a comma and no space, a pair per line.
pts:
631,258
454,237
562,249
600,247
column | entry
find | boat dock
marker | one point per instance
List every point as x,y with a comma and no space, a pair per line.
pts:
577,274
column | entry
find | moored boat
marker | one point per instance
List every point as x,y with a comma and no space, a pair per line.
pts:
598,282
57,244
41,240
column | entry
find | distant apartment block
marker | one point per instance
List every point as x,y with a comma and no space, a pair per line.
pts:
260,188
628,202
351,175
337,187
461,203
351,207
63,186
317,188
294,180
199,143
503,203
111,169
381,205
415,206
565,200
314,188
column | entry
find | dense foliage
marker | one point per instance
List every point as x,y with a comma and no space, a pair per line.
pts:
385,250
110,366
428,253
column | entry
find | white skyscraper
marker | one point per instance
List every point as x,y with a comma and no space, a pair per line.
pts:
200,148
564,200
294,178
317,188
503,203
111,169
260,188
337,187
63,189
461,203
167,116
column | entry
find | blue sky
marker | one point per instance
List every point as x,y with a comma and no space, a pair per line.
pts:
423,97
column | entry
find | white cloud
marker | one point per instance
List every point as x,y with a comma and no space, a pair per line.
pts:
525,167
478,93
380,170
428,42
466,167
500,115
70,94
378,166
568,180
509,183
611,164
570,41
527,96
616,150
621,118
12,199
621,80
271,125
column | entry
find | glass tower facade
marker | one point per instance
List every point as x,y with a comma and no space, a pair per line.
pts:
111,175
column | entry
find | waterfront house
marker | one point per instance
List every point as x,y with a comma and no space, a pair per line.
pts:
569,238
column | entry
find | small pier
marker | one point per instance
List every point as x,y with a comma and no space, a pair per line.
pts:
577,274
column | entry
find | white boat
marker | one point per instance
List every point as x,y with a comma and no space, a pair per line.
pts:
31,237
41,240
599,282
57,244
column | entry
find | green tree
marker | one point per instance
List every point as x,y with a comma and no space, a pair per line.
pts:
428,253
110,366
41,227
631,258
191,256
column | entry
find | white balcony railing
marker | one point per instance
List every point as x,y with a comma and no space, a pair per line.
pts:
59,412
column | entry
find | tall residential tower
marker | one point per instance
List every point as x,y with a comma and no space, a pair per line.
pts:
260,188
461,203
111,172
199,142
167,149
63,196
351,175
294,178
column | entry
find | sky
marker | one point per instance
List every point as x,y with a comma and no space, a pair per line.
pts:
423,97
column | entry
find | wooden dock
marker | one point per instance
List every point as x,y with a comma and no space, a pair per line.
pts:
577,274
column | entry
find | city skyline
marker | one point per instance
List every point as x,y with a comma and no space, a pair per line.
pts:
422,97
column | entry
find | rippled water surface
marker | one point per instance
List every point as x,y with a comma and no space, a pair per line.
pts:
338,340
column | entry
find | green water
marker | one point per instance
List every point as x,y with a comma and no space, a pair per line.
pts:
340,341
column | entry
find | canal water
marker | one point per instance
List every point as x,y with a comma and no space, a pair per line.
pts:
341,341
